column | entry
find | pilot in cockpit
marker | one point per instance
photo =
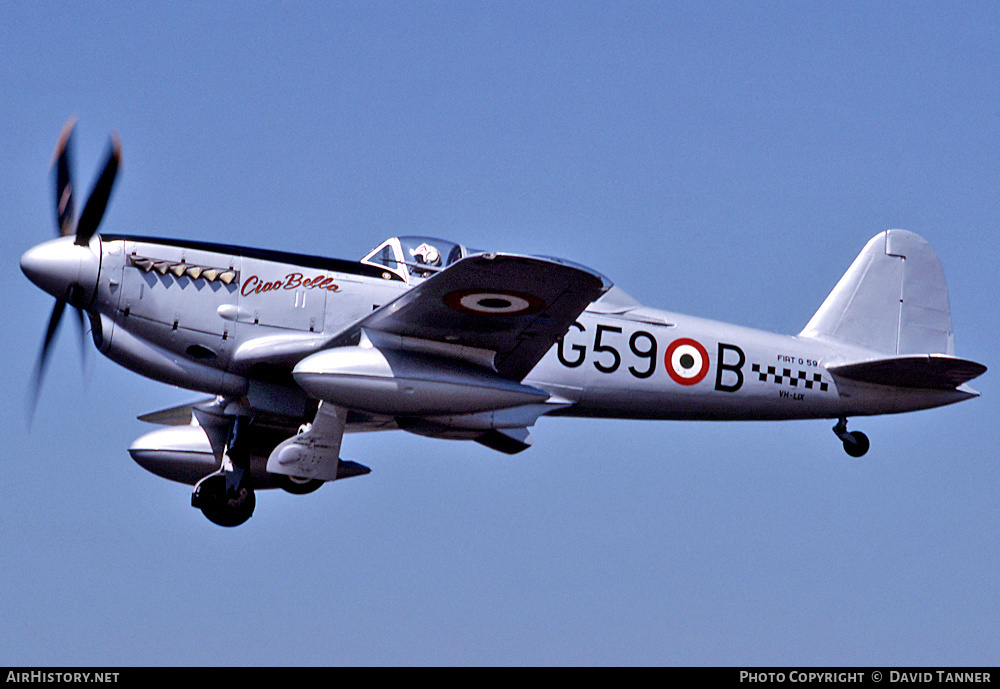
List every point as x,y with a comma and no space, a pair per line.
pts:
425,254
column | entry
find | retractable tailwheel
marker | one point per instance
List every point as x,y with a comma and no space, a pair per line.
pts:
855,442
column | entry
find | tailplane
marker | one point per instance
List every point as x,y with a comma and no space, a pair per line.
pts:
927,371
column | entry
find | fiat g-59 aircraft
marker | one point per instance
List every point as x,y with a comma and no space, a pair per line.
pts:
437,339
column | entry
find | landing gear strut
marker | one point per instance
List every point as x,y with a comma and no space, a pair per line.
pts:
227,496
855,443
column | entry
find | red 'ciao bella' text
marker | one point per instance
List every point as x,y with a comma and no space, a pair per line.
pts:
254,285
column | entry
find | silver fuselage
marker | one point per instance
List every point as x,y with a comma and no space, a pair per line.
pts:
217,319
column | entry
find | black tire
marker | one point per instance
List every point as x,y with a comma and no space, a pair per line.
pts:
859,447
221,508
298,486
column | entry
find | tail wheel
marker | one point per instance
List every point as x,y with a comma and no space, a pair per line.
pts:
856,444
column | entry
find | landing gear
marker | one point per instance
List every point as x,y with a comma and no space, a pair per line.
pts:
222,503
227,497
297,485
855,442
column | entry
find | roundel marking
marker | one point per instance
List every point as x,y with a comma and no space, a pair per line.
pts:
686,361
493,302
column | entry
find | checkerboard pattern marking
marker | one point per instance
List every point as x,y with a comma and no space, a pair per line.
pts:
786,377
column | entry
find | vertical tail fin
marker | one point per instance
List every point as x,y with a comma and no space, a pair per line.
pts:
892,300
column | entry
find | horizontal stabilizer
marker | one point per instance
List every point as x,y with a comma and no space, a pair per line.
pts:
929,371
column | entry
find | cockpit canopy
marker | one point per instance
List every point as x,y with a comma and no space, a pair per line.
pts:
416,258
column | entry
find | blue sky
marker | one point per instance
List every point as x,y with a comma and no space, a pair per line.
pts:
727,161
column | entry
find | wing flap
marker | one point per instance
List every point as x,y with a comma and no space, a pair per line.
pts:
928,371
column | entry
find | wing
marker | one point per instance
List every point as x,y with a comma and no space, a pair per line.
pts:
512,306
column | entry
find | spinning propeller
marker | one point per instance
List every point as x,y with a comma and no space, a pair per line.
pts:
68,269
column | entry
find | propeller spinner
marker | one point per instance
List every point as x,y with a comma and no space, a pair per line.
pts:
68,267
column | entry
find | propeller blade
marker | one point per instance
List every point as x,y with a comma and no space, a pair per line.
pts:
50,333
93,210
43,356
82,334
62,159
85,228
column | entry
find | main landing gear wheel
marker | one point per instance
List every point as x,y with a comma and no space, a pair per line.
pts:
856,443
226,497
222,504
297,485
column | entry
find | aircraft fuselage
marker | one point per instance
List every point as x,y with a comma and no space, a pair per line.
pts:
697,369
216,318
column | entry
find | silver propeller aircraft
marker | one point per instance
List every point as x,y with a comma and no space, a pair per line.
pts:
434,338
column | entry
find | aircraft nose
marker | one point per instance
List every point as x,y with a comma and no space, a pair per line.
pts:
64,269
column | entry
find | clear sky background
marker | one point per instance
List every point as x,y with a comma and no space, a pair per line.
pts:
727,160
